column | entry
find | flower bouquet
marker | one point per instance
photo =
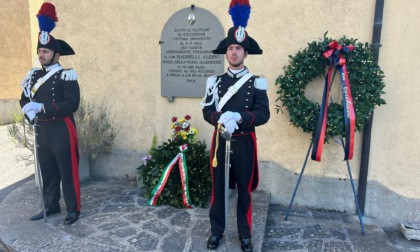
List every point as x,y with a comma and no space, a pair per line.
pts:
169,181
183,129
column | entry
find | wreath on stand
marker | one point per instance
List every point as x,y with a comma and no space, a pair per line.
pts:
366,79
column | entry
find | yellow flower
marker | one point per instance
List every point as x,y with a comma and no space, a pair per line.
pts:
172,126
194,130
182,120
184,135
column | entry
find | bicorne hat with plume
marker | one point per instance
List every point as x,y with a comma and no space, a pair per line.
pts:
239,10
47,17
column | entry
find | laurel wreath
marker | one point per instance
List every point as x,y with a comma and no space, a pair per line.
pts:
366,80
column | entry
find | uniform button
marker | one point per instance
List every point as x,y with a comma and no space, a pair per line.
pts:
53,81
220,91
249,86
246,106
247,99
242,132
250,80
32,82
248,93
53,94
53,117
53,100
52,88
55,76
34,99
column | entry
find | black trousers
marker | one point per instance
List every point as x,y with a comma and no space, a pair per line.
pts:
241,173
59,159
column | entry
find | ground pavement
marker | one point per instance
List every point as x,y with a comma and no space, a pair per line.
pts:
115,217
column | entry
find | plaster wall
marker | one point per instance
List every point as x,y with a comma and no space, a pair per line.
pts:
395,135
15,44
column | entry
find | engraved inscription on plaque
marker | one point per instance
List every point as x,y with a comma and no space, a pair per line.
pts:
187,41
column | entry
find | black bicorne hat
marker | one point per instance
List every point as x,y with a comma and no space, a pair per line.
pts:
238,36
239,11
47,17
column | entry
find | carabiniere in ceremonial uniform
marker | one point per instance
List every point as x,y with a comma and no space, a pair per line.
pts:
51,95
238,100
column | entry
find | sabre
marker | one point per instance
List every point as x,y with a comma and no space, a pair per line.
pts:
26,86
38,169
228,137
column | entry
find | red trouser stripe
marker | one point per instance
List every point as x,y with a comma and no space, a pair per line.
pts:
249,213
74,147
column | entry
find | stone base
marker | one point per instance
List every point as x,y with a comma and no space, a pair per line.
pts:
410,230
84,167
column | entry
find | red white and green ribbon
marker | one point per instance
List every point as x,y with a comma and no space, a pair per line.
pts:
183,169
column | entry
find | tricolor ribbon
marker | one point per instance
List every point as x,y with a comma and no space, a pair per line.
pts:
183,169
334,53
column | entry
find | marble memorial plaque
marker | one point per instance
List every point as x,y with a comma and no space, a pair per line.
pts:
187,41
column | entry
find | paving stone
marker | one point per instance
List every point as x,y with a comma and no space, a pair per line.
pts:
144,242
100,218
338,235
338,246
120,208
174,242
113,225
155,226
122,199
278,245
201,228
315,245
291,233
142,202
183,219
80,230
315,231
138,217
123,232
166,212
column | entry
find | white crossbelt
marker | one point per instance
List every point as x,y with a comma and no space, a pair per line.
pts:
43,79
233,90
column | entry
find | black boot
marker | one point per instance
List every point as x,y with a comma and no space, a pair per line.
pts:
213,242
71,218
246,244
53,209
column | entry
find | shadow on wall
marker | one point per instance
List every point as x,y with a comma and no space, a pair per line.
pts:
336,194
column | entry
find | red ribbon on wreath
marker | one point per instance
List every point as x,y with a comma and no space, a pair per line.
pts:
334,52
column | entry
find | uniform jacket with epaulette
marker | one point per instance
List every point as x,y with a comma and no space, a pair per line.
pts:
60,97
251,102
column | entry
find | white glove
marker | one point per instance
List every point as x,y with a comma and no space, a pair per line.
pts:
35,106
231,126
228,115
31,115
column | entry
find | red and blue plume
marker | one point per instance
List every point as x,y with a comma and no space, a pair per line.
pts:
47,17
239,10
